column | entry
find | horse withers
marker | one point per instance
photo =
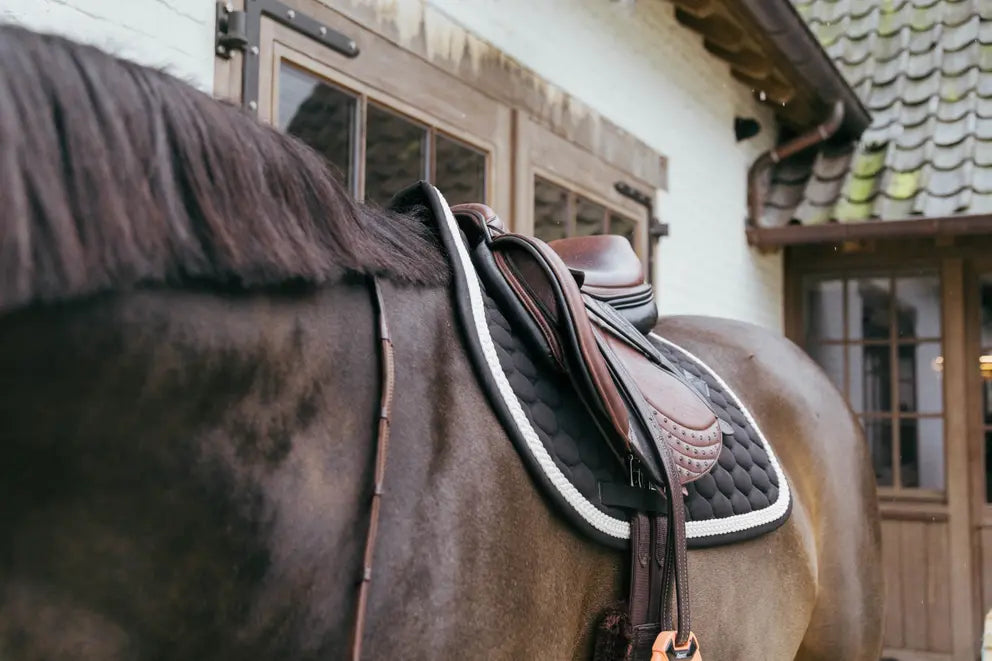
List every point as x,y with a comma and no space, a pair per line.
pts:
190,392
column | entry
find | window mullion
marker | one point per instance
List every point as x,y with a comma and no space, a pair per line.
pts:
894,387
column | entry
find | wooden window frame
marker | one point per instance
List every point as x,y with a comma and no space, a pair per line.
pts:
485,107
804,264
540,152
422,94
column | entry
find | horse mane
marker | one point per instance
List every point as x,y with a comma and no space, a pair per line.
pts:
115,175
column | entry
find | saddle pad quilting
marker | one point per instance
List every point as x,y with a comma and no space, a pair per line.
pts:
744,480
561,421
743,485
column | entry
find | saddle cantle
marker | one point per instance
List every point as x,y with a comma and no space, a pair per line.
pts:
611,272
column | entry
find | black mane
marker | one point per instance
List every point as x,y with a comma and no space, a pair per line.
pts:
114,175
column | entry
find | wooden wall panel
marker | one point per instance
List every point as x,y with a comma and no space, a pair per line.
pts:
916,561
938,590
892,566
913,536
986,569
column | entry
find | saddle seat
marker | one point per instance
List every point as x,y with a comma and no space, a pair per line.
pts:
611,272
605,266
565,299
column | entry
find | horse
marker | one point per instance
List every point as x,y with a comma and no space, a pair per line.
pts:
189,396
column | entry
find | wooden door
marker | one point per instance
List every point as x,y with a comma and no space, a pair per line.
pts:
892,326
979,311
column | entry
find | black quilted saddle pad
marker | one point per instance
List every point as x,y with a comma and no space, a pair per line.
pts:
745,495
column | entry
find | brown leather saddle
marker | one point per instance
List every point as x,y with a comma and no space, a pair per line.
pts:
583,305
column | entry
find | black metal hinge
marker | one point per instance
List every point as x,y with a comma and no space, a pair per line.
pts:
240,30
656,228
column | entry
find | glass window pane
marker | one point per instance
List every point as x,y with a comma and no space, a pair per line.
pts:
870,377
319,114
920,384
830,357
824,313
550,210
625,227
918,306
921,453
985,292
988,466
394,154
878,433
986,394
868,309
459,171
590,218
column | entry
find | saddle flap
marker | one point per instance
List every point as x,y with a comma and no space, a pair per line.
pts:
690,430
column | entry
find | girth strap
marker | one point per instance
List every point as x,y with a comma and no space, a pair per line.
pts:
676,545
381,454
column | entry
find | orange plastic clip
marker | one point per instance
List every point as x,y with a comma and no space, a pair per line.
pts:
664,648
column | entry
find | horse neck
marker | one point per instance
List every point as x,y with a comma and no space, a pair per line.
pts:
190,462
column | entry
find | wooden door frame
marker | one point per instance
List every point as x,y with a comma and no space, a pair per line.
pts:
953,262
982,510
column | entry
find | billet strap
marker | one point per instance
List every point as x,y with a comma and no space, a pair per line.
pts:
381,454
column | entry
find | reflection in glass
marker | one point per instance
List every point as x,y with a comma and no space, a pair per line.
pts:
921,453
920,384
879,436
590,218
987,399
459,171
985,294
825,310
550,210
870,387
625,227
320,115
394,154
830,358
988,466
918,306
868,309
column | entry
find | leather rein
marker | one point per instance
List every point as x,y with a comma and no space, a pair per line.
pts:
388,376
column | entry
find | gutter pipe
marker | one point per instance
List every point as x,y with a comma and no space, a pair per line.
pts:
817,135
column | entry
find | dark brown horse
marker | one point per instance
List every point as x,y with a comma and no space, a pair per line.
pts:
188,402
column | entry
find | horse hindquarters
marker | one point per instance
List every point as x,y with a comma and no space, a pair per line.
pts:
823,567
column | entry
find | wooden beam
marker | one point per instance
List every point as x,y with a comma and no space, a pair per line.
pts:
960,542
793,235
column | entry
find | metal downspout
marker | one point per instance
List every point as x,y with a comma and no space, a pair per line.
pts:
815,136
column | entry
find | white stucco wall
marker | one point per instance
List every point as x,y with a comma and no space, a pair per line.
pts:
177,35
633,63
